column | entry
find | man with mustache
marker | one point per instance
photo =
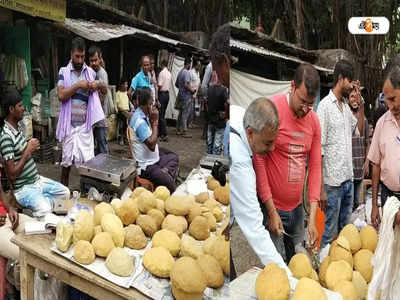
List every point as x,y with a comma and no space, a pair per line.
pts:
80,110
281,173
337,125
384,152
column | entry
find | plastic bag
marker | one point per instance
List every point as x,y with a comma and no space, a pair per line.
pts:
94,194
49,288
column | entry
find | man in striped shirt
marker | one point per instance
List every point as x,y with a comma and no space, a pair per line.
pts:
30,189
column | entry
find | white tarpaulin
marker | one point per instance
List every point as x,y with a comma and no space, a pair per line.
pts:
245,87
177,65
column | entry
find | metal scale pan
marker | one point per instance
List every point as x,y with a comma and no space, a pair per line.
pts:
108,168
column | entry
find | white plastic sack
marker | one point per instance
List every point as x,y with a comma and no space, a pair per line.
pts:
386,260
49,288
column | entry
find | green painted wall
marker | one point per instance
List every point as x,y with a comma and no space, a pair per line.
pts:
16,41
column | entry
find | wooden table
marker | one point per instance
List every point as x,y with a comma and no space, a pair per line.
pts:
35,253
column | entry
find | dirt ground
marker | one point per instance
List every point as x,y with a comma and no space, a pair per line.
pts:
189,150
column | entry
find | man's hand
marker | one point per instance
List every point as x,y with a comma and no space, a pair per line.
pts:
33,145
397,219
375,217
84,84
323,202
275,223
313,235
13,216
2,219
366,167
154,115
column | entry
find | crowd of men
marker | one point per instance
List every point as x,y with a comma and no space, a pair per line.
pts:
275,142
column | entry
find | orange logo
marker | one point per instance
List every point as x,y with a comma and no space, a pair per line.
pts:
368,26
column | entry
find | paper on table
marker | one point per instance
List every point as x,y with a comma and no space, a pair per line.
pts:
99,267
243,287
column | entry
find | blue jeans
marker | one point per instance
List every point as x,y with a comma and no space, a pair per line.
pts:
40,196
357,192
183,116
226,139
214,139
338,211
100,137
293,223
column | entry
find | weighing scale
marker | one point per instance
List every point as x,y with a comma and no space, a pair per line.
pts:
208,160
107,173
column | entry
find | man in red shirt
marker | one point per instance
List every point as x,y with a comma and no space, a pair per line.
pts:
281,173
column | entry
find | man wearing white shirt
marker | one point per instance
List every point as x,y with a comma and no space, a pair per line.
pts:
253,130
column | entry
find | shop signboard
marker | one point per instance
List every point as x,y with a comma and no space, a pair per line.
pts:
49,9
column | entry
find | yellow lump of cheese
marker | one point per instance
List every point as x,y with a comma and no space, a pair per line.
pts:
179,205
300,265
162,193
336,272
272,283
221,194
116,205
120,263
350,232
220,250
362,264
177,224
97,229
213,184
146,201
346,289
202,197
308,289
187,279
360,285
103,244
83,227
112,224
64,236
157,216
369,238
137,192
134,237
190,247
148,224
212,270
158,261
167,239
128,212
84,252
199,228
100,209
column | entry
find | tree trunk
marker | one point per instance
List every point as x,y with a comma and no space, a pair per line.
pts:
165,22
299,23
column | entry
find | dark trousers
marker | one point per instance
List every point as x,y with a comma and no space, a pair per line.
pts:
386,193
122,118
164,171
100,137
163,97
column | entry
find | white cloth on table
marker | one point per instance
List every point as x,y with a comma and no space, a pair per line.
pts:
386,260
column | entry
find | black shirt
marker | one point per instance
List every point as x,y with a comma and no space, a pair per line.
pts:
217,98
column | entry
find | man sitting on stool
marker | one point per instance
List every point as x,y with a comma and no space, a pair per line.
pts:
159,167
31,190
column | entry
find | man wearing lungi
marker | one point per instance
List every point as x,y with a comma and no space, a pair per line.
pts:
80,110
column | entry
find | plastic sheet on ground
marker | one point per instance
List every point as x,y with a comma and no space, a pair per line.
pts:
243,287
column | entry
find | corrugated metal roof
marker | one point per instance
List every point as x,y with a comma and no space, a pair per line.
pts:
96,31
262,51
